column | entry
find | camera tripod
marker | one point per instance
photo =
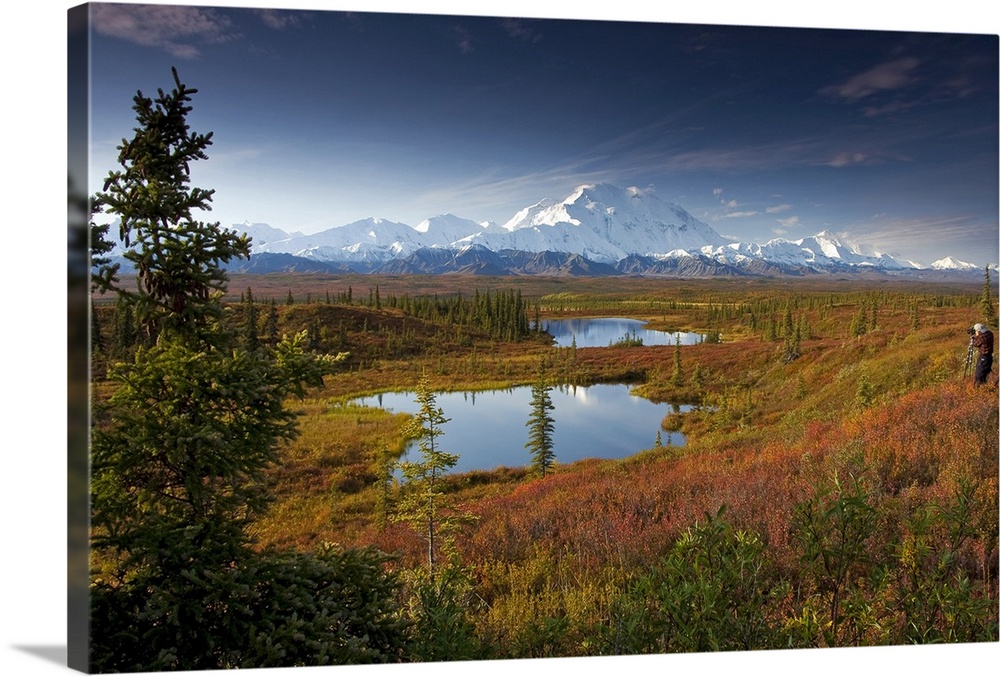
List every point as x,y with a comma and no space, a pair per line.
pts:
970,359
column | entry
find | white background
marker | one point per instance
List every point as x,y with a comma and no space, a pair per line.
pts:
33,508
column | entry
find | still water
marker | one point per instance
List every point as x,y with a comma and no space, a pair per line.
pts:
603,331
489,429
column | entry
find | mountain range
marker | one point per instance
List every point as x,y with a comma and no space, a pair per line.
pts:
597,230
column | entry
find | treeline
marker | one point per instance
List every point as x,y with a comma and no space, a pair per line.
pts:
729,305
368,326
374,330
501,314
842,315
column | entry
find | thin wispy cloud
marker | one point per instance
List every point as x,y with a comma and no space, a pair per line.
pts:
649,149
934,234
235,156
847,159
278,19
355,21
520,30
484,194
464,39
786,226
778,208
887,76
181,31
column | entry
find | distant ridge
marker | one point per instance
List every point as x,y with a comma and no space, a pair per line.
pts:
483,262
597,230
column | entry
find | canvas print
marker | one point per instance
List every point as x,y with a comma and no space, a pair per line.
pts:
412,338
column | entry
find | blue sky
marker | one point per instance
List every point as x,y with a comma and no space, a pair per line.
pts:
322,117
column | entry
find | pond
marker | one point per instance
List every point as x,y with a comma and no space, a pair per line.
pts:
489,429
603,331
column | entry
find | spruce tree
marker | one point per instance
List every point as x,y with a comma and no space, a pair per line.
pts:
250,339
859,325
865,393
271,327
697,376
771,334
179,455
678,377
96,339
541,426
178,260
193,422
103,273
424,506
125,334
986,306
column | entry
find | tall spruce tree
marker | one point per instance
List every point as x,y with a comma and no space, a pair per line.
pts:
986,306
271,326
178,260
541,427
194,422
678,377
251,341
178,459
424,506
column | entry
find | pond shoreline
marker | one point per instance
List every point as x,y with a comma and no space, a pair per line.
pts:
487,428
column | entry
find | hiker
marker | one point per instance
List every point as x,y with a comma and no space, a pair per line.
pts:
983,344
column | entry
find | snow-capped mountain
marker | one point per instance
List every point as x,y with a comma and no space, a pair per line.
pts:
603,223
823,250
368,240
262,233
950,263
599,227
449,231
